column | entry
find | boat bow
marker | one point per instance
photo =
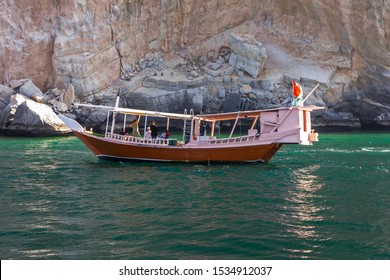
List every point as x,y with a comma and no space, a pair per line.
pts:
72,124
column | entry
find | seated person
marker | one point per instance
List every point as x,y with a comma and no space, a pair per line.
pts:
165,134
148,133
123,132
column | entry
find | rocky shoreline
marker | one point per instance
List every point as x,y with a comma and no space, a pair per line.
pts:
238,76
23,112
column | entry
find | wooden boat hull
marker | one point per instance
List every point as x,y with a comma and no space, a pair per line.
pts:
122,151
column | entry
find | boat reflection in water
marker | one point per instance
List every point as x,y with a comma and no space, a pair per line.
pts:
303,215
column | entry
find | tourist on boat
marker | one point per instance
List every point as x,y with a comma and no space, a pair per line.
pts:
123,132
154,129
148,133
203,127
134,126
165,134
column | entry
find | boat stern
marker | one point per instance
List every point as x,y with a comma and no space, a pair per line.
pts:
291,125
307,135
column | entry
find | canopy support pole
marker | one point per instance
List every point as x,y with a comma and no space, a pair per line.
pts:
234,126
212,129
146,123
114,114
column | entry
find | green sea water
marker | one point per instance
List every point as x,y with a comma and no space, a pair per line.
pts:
326,201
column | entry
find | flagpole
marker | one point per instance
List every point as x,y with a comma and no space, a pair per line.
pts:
310,93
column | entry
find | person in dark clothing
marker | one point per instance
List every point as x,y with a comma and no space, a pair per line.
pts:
202,131
154,129
123,132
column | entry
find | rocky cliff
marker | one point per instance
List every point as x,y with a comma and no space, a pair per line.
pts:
342,44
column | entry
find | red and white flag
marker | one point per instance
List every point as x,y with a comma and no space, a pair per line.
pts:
297,94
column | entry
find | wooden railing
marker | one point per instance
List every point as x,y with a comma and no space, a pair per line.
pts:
174,142
239,139
132,139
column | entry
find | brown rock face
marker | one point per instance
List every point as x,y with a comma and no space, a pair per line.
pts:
87,42
26,40
343,44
